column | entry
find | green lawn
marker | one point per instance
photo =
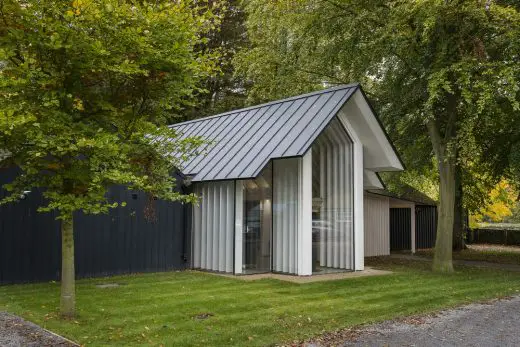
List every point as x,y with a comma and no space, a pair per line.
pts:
159,308
489,255
499,226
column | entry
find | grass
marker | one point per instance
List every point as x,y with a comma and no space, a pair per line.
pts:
499,226
161,308
490,255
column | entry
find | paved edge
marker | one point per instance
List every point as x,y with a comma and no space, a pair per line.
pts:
30,327
342,336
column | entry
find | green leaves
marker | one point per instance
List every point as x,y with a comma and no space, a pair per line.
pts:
453,63
86,88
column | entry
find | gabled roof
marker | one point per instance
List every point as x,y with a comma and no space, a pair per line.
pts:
242,142
408,193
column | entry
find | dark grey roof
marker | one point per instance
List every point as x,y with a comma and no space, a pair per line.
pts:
242,142
407,193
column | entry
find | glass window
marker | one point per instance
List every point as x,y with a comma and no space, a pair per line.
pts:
332,201
257,223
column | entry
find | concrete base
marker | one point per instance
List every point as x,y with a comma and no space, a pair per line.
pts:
309,279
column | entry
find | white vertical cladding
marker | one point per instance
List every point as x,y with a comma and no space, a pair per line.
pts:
329,208
197,229
210,226
336,208
377,225
286,215
334,149
304,243
323,190
204,228
230,222
222,228
239,224
216,227
358,214
213,226
343,226
344,203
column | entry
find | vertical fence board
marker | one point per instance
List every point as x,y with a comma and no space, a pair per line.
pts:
400,229
425,226
121,241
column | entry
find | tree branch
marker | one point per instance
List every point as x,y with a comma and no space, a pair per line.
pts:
352,13
435,137
452,117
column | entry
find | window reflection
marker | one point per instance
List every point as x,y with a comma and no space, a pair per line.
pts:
257,223
332,203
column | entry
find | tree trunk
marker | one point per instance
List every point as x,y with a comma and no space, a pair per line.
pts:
68,286
442,260
459,225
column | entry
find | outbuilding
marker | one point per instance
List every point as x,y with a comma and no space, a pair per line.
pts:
282,184
395,223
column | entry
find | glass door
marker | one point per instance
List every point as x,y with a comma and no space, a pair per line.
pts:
257,223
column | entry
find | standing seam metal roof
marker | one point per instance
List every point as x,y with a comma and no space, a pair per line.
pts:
242,142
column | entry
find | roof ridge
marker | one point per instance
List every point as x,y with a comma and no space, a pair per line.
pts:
292,98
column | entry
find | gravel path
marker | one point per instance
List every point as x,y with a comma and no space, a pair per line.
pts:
495,323
17,332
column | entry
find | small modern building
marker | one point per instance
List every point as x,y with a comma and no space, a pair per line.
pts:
282,184
398,223
290,186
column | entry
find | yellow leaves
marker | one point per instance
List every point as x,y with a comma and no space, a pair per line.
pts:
501,200
77,6
78,104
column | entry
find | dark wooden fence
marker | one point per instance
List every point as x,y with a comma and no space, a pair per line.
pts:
494,236
425,226
122,241
400,229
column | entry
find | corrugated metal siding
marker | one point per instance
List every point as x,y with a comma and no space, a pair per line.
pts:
243,141
285,215
377,225
425,226
213,226
400,229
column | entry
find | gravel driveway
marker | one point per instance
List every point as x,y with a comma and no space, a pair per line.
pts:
17,332
496,323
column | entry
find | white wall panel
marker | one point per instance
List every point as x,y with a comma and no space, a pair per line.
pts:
213,226
358,164
377,225
304,242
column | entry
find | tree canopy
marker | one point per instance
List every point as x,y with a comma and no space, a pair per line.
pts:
443,74
86,88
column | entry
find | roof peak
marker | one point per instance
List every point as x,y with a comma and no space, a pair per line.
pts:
274,102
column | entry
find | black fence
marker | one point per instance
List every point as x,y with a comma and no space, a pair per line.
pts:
400,229
425,226
122,241
494,236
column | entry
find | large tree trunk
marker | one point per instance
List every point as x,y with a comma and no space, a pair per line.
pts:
459,225
442,260
447,164
68,286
